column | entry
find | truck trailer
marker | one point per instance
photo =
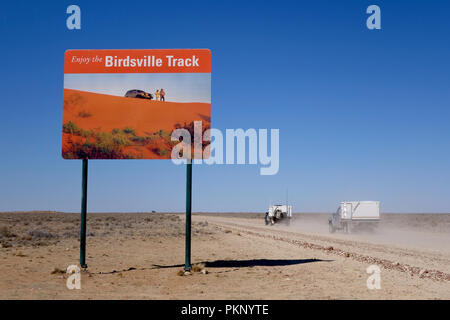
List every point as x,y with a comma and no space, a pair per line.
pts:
355,215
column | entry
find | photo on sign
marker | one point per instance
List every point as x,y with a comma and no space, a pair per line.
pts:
131,116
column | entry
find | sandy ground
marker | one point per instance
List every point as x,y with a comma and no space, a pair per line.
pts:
139,256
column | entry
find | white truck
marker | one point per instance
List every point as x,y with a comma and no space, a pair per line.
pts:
278,213
354,215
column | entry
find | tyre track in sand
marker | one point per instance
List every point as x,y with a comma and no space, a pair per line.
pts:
286,236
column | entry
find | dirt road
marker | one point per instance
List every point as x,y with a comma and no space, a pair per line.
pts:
140,256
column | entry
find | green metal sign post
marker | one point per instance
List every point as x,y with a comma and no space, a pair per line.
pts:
187,266
83,214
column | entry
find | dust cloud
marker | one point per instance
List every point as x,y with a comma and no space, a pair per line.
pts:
422,231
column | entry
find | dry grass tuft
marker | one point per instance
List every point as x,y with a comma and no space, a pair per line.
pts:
198,267
4,232
180,273
57,270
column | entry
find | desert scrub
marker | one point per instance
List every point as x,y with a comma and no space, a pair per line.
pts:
57,270
72,128
141,140
121,139
74,99
129,130
163,152
5,232
98,150
198,267
106,145
86,133
166,135
84,114
160,151
110,140
40,234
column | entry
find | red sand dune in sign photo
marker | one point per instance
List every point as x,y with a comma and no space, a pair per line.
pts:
104,126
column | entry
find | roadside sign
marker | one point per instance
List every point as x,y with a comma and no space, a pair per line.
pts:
124,104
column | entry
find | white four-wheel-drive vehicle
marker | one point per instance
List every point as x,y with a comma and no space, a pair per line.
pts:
355,215
278,213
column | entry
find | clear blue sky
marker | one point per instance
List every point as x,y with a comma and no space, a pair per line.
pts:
363,115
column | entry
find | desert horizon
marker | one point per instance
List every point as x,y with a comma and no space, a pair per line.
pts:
141,256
